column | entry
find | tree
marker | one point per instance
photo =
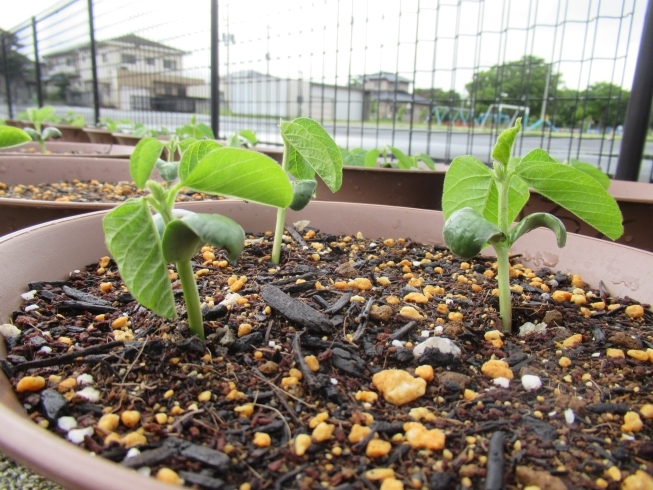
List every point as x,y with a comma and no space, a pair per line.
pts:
440,96
606,103
521,82
19,66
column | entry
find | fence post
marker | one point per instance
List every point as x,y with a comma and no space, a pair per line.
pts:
215,73
7,84
96,91
639,106
37,64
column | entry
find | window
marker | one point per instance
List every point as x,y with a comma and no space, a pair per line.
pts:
168,89
69,62
149,61
128,58
105,58
170,64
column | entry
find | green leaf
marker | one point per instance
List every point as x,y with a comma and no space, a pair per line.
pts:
193,154
503,148
183,237
45,113
466,232
168,170
427,160
576,191
205,131
249,135
592,171
536,155
33,133
160,225
297,167
134,242
371,158
537,220
315,149
143,159
405,161
244,174
10,136
466,184
518,196
302,191
185,143
233,141
354,158
51,133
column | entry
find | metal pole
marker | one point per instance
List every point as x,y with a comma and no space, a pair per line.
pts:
215,70
639,106
96,91
37,64
7,84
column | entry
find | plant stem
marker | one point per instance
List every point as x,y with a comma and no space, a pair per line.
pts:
41,143
281,216
191,297
503,281
502,248
278,235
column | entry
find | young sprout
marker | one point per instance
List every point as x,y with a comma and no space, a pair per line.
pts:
480,204
308,150
195,130
37,117
243,139
358,157
142,244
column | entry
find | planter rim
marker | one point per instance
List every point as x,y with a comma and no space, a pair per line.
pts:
58,145
58,459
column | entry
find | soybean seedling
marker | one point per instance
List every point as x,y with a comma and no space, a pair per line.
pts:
480,204
143,244
195,130
308,150
37,117
245,138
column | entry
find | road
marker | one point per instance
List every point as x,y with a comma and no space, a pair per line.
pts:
440,145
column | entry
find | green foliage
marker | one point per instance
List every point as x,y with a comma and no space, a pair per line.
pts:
195,130
243,139
308,150
143,244
10,136
37,116
479,203
401,112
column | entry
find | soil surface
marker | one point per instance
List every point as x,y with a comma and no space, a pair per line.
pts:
293,387
87,191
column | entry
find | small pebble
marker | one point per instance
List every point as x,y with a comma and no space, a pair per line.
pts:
85,379
76,436
531,382
66,423
89,393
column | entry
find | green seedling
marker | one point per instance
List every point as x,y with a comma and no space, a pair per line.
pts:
72,119
308,150
195,130
37,117
243,139
358,157
480,204
10,137
143,244
115,126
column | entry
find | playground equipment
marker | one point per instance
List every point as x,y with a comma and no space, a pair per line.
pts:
452,114
542,123
500,118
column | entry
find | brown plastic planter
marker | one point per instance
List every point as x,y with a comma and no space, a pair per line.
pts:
19,124
126,139
56,248
99,136
16,214
71,150
423,189
70,133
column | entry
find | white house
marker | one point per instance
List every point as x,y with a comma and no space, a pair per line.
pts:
133,73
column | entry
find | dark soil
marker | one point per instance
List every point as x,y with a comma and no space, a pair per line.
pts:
86,191
495,437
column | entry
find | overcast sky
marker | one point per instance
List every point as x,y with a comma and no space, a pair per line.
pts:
436,43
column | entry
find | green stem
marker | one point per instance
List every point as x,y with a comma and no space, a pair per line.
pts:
278,235
191,297
41,143
503,281
281,216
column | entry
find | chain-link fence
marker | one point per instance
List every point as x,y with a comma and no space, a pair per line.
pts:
441,77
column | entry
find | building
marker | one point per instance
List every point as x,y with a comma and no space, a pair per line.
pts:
133,73
391,96
249,92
